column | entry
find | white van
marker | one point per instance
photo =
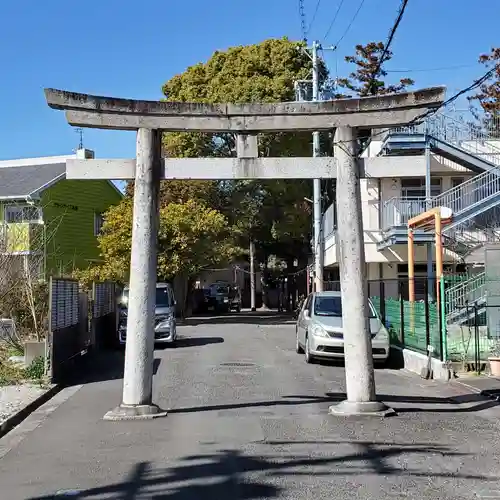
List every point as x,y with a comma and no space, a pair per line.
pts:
165,321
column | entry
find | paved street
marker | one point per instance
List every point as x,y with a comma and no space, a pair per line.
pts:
248,420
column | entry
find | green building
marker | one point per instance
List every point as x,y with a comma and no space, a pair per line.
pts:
49,224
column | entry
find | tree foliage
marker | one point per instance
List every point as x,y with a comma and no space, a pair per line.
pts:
488,95
271,212
191,237
369,76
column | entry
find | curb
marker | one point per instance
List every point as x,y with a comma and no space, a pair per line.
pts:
15,419
493,394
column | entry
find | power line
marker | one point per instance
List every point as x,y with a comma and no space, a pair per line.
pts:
350,24
394,28
302,15
313,17
333,20
475,84
423,70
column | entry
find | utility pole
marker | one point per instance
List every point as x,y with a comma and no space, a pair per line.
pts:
318,241
252,275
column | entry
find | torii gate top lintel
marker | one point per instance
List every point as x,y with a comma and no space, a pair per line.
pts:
129,114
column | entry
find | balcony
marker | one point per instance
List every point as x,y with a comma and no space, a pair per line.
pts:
22,237
396,213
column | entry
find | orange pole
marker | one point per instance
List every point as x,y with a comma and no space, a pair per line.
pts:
439,256
411,266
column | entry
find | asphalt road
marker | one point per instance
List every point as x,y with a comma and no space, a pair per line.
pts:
248,420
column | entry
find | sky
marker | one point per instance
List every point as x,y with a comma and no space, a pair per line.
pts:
129,49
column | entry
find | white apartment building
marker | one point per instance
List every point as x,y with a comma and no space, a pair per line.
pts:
462,165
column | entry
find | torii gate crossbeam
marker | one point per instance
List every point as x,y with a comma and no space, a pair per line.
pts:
150,118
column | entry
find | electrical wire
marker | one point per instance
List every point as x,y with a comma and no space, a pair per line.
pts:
316,10
333,20
424,70
475,84
302,15
349,25
381,61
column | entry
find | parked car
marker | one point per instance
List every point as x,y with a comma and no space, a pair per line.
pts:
165,329
219,297
320,333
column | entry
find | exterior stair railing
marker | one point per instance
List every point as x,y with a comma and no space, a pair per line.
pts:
459,298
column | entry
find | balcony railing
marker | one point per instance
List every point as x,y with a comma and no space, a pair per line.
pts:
19,237
398,211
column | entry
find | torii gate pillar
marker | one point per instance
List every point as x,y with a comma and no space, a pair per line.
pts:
137,398
150,118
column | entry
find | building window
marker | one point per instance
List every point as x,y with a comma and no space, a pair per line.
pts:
98,223
415,187
456,181
22,213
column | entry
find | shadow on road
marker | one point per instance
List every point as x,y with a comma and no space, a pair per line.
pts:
331,398
101,366
195,342
108,364
225,474
242,318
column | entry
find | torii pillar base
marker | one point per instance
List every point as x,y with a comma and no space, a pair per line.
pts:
359,409
135,412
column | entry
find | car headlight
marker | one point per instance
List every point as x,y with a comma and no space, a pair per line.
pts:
318,331
226,299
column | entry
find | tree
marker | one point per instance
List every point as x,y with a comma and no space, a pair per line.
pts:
368,78
265,72
488,95
191,237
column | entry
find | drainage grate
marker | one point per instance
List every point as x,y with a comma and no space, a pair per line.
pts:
237,364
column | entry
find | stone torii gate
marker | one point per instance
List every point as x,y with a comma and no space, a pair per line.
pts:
246,121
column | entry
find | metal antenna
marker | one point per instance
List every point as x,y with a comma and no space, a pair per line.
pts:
79,131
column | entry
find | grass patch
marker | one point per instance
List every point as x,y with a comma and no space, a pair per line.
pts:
10,374
13,374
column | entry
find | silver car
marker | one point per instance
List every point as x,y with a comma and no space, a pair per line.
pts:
165,330
320,333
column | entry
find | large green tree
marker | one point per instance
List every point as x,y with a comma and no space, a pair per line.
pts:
191,236
271,212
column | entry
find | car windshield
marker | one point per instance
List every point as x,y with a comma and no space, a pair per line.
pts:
162,298
332,306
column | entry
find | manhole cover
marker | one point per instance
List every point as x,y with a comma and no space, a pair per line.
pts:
237,364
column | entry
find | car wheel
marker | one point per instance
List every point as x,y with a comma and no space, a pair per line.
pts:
298,347
309,359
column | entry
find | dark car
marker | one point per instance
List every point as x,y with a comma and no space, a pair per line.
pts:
219,297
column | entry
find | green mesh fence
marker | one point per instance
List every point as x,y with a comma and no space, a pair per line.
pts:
407,323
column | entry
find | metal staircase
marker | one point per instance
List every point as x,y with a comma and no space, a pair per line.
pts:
465,299
470,201
475,203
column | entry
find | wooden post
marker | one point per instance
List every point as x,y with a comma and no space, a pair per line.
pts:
439,257
411,266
